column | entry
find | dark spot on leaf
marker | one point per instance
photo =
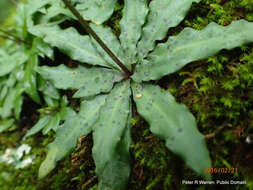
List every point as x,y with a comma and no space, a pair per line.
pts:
96,80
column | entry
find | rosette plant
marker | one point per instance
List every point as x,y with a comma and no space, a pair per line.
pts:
116,73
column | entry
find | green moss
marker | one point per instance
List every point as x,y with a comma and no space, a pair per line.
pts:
26,178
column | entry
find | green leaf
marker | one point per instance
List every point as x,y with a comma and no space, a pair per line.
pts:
68,134
48,89
18,101
98,11
50,8
52,117
70,42
112,164
39,126
43,48
9,62
107,36
89,81
51,102
20,21
5,124
3,92
163,15
30,79
8,105
34,5
173,123
57,8
53,123
134,14
191,45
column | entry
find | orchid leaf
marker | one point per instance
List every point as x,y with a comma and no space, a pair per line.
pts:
98,11
163,14
134,14
78,48
68,134
173,123
112,164
89,81
191,45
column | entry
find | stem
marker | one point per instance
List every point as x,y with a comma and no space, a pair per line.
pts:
213,134
8,38
14,2
9,34
15,38
90,31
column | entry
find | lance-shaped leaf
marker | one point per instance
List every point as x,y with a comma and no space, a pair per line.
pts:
48,7
68,134
33,6
52,119
9,92
9,62
57,8
110,135
70,42
43,48
191,45
8,103
106,34
89,81
98,11
53,123
6,124
18,100
134,14
173,123
48,89
3,89
30,79
163,15
39,126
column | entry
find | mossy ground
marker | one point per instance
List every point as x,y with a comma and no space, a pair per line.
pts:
218,90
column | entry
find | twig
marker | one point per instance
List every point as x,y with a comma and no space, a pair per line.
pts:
14,40
86,26
15,37
213,134
8,38
89,182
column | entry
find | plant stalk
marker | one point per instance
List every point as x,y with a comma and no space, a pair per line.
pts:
9,34
12,37
9,38
90,31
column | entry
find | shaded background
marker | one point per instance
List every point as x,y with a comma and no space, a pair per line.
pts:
6,7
